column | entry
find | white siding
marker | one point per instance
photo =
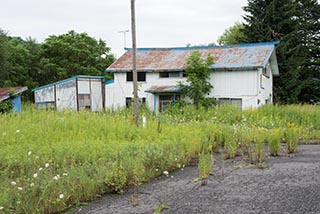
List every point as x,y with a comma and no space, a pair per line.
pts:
122,89
44,95
66,95
244,85
96,95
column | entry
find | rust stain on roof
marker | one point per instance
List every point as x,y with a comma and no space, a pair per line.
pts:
234,56
5,92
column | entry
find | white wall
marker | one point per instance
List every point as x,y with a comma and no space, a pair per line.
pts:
227,84
66,95
117,92
236,84
44,95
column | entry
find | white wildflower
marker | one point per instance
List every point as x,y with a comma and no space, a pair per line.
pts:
1,208
55,178
40,169
175,159
37,157
171,176
13,183
47,165
18,131
32,184
20,188
29,153
65,174
61,196
157,170
35,175
4,133
166,173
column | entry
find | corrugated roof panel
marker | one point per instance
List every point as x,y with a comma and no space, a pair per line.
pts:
163,89
5,92
234,56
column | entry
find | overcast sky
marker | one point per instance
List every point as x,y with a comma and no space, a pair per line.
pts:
160,23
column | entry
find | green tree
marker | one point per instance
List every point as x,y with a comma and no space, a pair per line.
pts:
232,35
296,25
198,74
72,54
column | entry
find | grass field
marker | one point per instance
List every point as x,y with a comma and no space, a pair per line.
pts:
50,160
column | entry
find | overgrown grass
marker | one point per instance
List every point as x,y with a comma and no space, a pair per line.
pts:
52,160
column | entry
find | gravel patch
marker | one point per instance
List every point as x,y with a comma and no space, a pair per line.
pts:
289,184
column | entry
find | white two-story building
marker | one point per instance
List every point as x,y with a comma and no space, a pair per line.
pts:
241,75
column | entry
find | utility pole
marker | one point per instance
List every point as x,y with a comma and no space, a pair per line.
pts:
124,36
134,63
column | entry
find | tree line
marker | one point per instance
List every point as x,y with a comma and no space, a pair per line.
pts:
25,62
296,24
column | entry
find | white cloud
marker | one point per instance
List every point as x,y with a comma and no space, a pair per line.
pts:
161,23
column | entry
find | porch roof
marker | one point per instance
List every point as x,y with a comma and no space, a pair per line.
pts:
163,89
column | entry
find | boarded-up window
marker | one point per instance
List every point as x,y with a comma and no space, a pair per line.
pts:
84,101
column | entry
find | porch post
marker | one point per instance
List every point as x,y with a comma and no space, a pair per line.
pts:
174,99
155,103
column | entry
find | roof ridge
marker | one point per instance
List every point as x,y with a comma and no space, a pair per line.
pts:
207,47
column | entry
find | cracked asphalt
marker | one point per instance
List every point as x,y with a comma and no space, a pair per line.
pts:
289,184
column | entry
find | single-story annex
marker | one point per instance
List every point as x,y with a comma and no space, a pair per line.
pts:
13,94
75,93
241,75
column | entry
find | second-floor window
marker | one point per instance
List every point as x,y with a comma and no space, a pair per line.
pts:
169,74
141,76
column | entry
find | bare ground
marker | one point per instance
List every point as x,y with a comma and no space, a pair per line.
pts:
289,184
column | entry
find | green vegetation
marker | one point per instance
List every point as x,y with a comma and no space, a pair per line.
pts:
50,160
198,76
232,35
24,62
296,25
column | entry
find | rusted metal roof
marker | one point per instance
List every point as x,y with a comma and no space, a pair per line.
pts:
243,56
163,89
5,92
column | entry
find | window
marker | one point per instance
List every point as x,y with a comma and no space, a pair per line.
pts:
231,101
166,100
84,101
164,74
174,74
184,74
169,74
263,80
128,101
45,105
141,76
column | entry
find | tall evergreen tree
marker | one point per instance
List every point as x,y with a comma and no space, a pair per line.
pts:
296,24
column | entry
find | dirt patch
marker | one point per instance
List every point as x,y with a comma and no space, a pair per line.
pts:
289,184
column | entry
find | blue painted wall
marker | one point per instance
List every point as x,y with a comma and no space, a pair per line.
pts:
16,104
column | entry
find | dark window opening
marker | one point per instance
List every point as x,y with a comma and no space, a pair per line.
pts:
169,74
141,76
164,74
128,101
184,74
